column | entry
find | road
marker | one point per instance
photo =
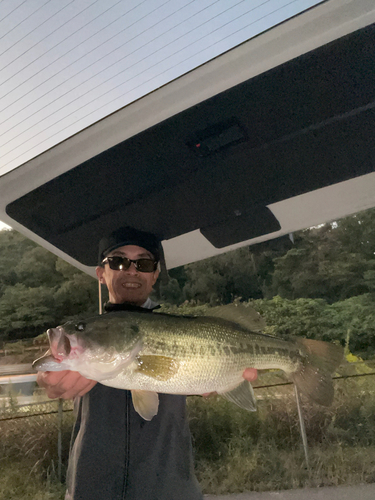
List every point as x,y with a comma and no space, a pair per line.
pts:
358,492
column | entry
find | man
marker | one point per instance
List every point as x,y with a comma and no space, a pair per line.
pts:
115,454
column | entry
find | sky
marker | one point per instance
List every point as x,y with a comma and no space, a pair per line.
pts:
65,64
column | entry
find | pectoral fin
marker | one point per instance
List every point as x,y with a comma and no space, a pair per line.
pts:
159,367
243,396
145,403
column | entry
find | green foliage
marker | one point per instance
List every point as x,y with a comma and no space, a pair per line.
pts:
78,294
223,278
170,292
25,310
357,314
13,246
333,262
28,453
317,319
238,451
15,486
37,289
37,267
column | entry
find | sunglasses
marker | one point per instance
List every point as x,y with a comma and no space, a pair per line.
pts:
118,263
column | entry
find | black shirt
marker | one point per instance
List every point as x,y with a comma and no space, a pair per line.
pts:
116,455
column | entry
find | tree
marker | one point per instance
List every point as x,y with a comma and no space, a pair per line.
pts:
38,290
78,293
26,312
352,319
221,279
334,262
13,246
37,267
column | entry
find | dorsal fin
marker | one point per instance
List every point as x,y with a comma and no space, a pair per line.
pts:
245,316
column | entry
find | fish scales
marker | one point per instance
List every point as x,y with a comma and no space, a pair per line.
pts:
208,353
223,340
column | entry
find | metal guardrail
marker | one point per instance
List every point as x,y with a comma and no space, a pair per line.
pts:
20,369
37,414
6,348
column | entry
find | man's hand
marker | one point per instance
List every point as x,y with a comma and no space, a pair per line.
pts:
250,374
65,384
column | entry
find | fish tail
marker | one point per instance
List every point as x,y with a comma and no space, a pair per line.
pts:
314,375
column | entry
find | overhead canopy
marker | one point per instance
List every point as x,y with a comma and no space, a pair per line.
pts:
271,137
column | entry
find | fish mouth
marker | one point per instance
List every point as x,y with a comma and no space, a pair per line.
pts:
62,344
59,343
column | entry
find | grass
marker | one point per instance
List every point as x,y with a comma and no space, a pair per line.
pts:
238,451
234,450
28,454
19,483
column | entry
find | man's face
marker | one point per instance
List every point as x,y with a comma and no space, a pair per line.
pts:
128,285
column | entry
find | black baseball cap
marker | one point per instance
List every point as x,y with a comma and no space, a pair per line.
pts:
130,236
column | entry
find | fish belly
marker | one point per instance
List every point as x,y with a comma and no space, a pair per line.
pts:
191,378
196,376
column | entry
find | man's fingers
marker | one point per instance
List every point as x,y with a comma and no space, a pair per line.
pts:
73,384
46,379
208,394
64,384
250,374
90,384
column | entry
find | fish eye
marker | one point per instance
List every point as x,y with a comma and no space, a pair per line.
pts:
80,326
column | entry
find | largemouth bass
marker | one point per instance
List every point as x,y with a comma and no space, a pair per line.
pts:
150,353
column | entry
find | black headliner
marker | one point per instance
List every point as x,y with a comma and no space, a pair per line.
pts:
306,124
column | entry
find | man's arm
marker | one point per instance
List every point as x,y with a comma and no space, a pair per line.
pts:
65,384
